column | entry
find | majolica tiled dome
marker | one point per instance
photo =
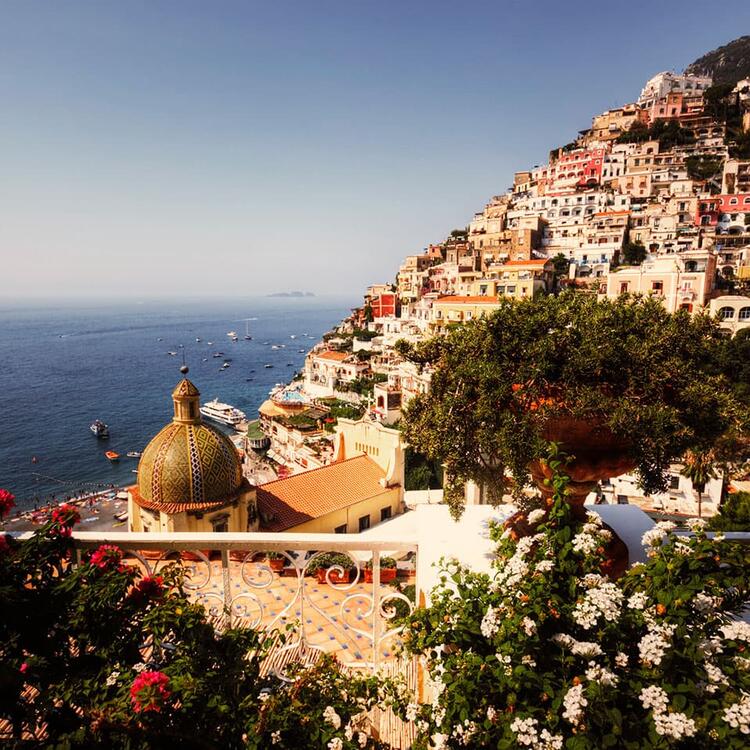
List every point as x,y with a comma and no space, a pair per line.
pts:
188,463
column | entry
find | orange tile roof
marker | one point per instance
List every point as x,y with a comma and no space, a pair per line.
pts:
456,299
336,356
289,502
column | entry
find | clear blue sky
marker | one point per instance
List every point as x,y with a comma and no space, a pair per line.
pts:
154,148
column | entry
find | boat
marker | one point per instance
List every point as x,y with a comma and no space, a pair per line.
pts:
210,343
222,413
197,341
268,367
233,335
134,454
112,456
217,355
248,337
274,347
172,354
292,336
225,366
121,516
99,428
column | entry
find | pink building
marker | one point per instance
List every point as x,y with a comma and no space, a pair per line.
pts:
712,208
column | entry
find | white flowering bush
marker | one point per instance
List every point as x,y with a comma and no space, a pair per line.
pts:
548,653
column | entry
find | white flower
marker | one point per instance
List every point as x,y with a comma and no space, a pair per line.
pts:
348,731
655,698
655,537
621,659
682,548
639,600
737,631
336,744
674,725
704,603
738,715
601,675
587,649
715,677
574,702
332,717
585,543
604,600
654,645
719,536
439,741
529,626
697,524
275,737
112,679
536,516
490,622
545,566
527,735
593,518
491,713
139,667
361,739
564,640
412,710
528,661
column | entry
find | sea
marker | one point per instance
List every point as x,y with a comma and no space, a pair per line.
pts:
62,367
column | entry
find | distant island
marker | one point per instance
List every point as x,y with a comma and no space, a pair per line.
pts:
291,294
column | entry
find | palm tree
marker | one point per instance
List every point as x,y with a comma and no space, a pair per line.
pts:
699,468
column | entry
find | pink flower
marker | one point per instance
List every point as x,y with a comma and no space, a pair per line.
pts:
6,502
149,587
106,556
149,691
64,517
24,668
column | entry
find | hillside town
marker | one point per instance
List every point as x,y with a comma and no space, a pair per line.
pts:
652,199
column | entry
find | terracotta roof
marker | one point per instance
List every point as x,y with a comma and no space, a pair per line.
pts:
335,356
452,300
181,507
289,502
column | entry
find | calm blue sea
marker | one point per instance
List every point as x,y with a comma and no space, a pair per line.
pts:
61,368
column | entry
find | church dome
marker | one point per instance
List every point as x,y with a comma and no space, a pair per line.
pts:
188,464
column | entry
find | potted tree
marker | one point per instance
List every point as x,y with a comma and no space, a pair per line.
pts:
619,386
333,567
276,561
387,570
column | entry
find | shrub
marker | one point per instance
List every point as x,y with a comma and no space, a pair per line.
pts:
545,652
99,655
330,560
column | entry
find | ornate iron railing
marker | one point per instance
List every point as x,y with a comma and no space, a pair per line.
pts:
347,610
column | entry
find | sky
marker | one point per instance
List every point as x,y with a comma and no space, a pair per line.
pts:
162,149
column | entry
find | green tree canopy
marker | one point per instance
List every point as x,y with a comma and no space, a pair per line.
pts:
649,376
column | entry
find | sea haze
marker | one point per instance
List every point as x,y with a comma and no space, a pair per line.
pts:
64,367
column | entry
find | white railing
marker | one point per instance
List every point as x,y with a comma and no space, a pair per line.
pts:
348,616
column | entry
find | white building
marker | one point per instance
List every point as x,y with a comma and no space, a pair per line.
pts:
668,82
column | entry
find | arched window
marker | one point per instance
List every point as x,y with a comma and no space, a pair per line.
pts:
726,313
744,313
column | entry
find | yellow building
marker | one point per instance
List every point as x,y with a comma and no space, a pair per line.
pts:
518,279
190,477
362,487
459,309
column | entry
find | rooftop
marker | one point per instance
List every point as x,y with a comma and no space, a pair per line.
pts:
312,494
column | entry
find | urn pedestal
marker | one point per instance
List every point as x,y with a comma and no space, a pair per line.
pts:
595,454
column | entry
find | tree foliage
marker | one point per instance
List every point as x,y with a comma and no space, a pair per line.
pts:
633,253
649,376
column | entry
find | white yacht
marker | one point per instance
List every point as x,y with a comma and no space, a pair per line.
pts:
222,413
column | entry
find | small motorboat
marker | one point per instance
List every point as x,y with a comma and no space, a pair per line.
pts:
172,354
112,456
197,341
210,343
99,428
268,367
134,454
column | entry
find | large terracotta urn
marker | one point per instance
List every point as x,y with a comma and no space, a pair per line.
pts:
594,454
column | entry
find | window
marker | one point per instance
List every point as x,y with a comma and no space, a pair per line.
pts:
340,529
674,482
622,499
657,287
220,523
385,513
624,287
364,523
744,313
733,201
726,313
